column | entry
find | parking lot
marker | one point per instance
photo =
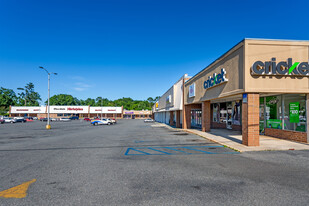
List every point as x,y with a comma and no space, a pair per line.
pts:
137,163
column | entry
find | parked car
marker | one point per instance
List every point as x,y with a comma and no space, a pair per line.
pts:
110,121
29,120
148,120
87,119
20,119
1,121
65,119
114,121
9,120
35,118
74,118
54,119
100,122
43,119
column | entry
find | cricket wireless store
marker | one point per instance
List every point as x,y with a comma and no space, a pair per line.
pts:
259,87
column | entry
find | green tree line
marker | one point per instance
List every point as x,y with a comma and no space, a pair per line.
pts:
27,96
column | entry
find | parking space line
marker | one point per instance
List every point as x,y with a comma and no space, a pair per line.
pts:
177,150
197,150
159,151
136,151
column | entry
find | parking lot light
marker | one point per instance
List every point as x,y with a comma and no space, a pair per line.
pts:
48,111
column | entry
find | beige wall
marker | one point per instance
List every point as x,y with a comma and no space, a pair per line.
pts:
238,62
264,50
232,62
162,101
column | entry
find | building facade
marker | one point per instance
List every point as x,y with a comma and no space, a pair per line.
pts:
259,87
66,111
169,107
137,114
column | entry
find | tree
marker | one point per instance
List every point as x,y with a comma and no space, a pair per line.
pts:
63,99
7,98
28,96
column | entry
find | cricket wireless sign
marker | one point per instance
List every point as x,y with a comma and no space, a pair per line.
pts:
280,68
215,79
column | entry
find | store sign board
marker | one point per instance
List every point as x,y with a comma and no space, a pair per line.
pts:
27,110
294,112
192,90
215,79
69,109
169,99
105,110
245,98
280,68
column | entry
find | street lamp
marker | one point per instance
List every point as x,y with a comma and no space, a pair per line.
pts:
48,119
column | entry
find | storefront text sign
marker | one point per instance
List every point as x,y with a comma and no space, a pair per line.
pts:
215,79
280,68
294,112
192,90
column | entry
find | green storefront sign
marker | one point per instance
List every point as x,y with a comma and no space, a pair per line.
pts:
294,112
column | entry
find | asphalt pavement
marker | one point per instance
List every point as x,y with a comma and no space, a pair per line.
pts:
137,163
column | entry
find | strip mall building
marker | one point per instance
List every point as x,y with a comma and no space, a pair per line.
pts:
259,87
79,111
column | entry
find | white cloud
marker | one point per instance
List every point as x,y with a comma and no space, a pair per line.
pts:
81,86
79,89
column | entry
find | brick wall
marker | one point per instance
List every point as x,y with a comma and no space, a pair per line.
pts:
206,116
178,119
250,120
285,134
217,125
171,118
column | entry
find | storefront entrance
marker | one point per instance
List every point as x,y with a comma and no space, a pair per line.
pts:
196,118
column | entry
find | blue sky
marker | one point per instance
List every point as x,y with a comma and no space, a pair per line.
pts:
122,48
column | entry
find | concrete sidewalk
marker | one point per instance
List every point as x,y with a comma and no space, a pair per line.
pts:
233,139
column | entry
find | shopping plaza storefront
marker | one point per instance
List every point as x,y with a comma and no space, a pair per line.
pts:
78,111
66,111
259,87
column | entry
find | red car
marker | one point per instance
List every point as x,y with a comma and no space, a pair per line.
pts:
87,119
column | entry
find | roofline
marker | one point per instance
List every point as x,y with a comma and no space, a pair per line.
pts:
214,61
183,76
276,39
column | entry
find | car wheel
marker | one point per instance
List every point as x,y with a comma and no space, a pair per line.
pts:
12,122
96,124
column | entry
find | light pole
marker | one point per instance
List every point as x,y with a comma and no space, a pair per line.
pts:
48,119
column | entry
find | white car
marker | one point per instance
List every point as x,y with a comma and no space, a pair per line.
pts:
9,120
100,122
111,121
148,120
64,119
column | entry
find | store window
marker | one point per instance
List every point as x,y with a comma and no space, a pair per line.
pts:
273,112
262,118
223,113
295,112
216,112
236,114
